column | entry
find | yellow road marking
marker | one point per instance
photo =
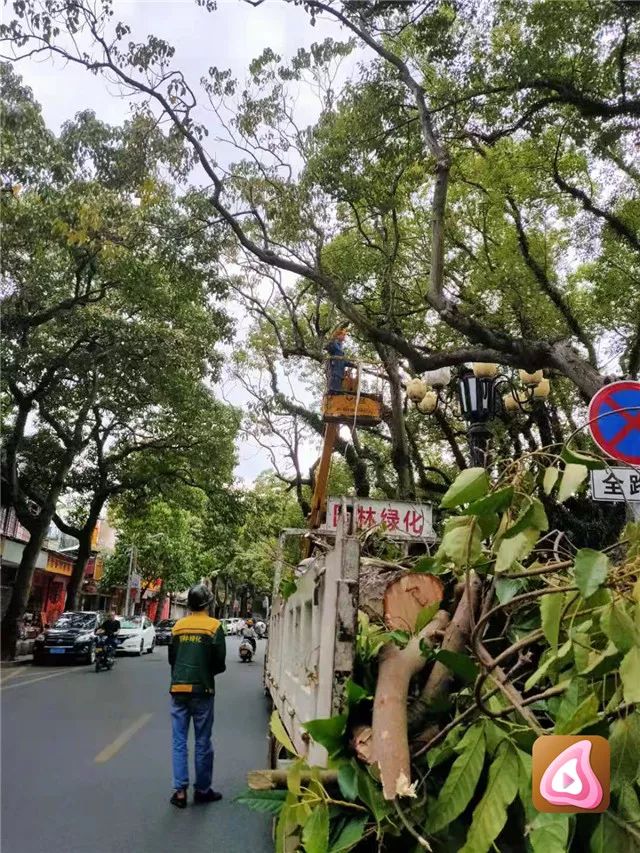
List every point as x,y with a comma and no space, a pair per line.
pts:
115,747
39,678
12,674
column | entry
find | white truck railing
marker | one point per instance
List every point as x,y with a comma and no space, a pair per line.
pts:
312,642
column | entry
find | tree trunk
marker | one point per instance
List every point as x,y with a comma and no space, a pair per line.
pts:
456,638
22,588
583,375
390,742
75,581
161,597
541,417
400,453
84,537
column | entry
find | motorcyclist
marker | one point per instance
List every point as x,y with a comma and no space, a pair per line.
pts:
110,628
248,633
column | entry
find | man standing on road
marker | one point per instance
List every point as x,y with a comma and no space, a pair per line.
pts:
197,654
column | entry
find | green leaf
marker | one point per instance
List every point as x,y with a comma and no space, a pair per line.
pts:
268,802
590,570
328,732
507,588
462,541
628,804
469,485
458,663
572,477
550,479
280,734
614,835
619,627
348,781
426,615
550,613
512,550
630,675
355,693
461,781
489,524
585,714
490,815
624,741
427,565
549,833
533,515
315,835
400,638
581,645
371,795
445,750
600,663
574,457
524,785
495,502
350,834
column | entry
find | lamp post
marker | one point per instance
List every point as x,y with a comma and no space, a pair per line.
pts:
483,392
130,573
478,404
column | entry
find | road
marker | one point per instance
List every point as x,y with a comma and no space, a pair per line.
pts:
86,764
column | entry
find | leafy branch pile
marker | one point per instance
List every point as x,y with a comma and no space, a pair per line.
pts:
528,640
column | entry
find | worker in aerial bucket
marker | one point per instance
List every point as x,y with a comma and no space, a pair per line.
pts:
338,364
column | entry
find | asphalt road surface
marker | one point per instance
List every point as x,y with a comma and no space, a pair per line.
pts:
86,760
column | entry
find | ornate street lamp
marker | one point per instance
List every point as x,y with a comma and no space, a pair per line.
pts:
483,392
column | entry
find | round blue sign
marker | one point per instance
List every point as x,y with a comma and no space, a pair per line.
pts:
614,421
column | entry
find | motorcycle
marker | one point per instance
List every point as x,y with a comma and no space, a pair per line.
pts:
105,655
246,651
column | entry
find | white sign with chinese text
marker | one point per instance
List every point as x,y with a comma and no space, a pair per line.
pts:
396,519
616,484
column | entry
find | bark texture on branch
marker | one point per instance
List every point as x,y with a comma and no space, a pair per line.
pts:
266,780
390,741
456,639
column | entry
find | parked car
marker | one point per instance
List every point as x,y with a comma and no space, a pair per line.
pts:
136,635
72,637
163,631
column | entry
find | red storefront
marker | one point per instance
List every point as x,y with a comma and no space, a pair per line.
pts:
49,588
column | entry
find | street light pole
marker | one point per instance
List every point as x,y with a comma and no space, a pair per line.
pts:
128,594
479,396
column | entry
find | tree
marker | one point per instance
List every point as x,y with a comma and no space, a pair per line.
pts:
513,133
241,540
110,325
167,539
193,446
511,88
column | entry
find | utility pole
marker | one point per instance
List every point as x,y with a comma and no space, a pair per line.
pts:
128,593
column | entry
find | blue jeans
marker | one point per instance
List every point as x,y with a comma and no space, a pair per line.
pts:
200,709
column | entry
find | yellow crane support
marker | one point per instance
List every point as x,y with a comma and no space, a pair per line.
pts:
350,406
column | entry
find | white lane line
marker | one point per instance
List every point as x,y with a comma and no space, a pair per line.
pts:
39,678
115,747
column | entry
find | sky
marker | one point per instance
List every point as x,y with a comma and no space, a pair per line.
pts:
230,37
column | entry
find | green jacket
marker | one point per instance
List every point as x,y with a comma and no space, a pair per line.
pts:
197,654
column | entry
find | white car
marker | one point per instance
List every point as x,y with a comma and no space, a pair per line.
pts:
136,635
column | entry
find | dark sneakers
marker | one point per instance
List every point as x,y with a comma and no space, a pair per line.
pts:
179,799
206,796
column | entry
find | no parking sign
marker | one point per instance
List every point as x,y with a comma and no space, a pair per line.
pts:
614,421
